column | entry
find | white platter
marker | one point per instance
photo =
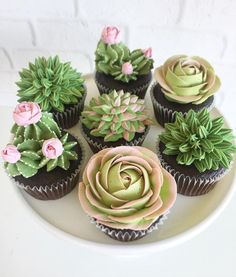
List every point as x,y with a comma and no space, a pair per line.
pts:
188,217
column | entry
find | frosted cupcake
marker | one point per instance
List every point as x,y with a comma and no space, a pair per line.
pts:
183,83
197,151
126,191
115,119
120,69
56,87
41,159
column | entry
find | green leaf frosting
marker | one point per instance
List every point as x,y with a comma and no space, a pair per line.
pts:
109,59
116,115
197,139
50,83
44,129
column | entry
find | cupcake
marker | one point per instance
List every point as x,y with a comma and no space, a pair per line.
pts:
183,83
126,192
120,69
115,119
56,87
197,151
41,159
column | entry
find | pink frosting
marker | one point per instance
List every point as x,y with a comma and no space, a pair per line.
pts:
52,148
147,52
10,154
27,113
111,35
127,68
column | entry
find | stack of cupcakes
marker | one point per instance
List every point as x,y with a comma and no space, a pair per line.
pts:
126,189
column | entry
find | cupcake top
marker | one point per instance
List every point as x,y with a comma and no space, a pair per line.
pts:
115,116
186,79
126,188
196,139
50,83
114,58
37,142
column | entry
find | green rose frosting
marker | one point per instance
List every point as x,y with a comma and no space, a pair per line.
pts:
126,188
50,83
187,79
116,115
44,129
109,59
198,140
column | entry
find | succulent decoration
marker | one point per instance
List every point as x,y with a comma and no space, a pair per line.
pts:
116,115
114,58
197,139
37,142
50,83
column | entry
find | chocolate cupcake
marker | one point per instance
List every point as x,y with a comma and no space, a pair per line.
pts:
197,151
115,119
126,192
56,87
119,68
42,159
183,83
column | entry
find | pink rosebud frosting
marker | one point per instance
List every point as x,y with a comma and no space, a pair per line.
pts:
127,68
10,154
110,35
147,52
27,113
52,148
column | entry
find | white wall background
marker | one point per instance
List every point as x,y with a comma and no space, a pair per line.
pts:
71,29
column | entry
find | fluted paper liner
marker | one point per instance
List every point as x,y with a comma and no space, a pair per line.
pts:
187,185
70,117
129,235
139,91
163,114
96,146
58,189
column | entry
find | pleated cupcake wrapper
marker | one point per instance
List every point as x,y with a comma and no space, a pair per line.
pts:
139,91
99,147
163,114
187,185
70,117
58,189
129,235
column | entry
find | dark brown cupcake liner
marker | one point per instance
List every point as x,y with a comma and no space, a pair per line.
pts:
71,114
191,185
164,114
56,190
96,146
127,235
140,90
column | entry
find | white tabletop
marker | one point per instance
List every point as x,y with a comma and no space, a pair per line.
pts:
27,249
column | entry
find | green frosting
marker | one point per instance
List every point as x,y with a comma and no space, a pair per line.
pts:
197,139
116,115
110,58
50,83
44,129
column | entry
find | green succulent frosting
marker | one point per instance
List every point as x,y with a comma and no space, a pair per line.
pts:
109,59
44,129
198,140
115,115
28,165
64,159
50,83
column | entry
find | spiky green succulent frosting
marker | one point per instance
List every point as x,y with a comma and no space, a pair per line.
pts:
110,58
32,157
45,128
196,139
116,115
50,83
